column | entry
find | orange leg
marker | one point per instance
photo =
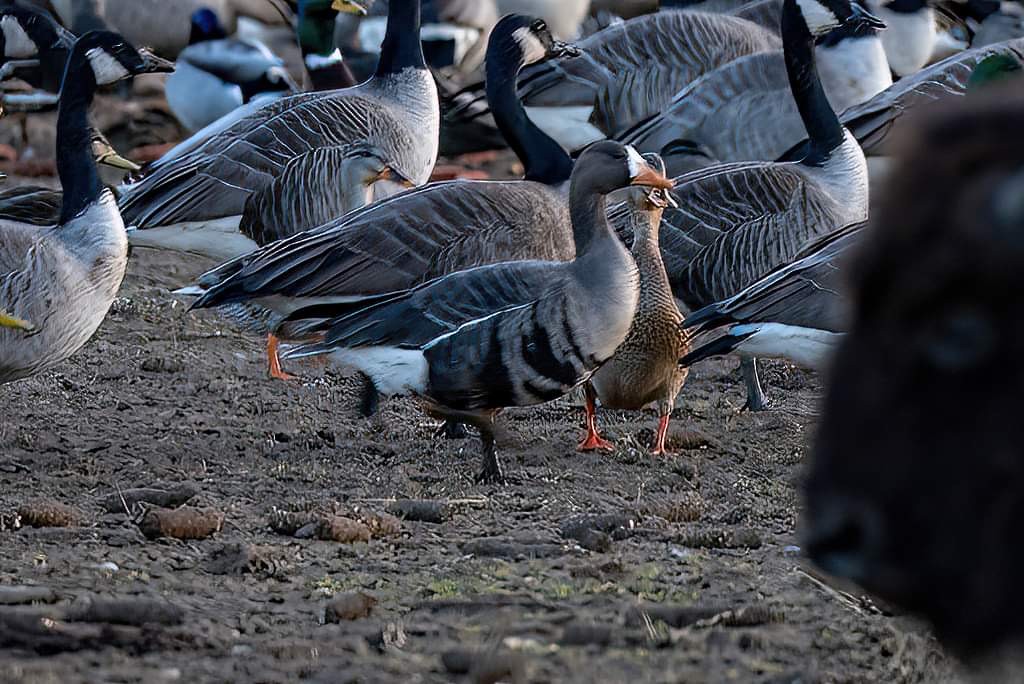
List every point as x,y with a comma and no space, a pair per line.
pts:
659,437
592,440
275,363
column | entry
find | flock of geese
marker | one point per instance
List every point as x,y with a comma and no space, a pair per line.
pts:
710,159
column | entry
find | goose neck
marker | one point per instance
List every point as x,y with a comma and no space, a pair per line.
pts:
543,159
823,128
587,209
401,48
76,167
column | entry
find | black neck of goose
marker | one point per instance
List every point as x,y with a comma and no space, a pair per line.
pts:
401,48
823,128
587,207
543,159
76,167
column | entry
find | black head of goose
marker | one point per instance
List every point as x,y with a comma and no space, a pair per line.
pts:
510,334
194,202
34,45
64,279
403,241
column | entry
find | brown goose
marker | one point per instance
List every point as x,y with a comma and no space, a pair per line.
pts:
645,368
510,334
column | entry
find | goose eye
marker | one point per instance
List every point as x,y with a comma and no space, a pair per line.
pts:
960,341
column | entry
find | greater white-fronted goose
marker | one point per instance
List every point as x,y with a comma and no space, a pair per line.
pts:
737,222
215,74
745,110
645,368
511,334
797,312
400,242
63,279
194,202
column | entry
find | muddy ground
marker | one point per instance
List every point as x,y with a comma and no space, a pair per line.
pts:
610,568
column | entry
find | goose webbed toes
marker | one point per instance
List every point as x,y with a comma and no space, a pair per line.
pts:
452,429
369,402
490,472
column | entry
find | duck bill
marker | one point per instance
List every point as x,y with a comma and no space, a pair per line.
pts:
389,174
152,64
349,7
116,161
7,321
652,178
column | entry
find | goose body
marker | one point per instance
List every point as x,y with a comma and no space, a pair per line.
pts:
64,278
405,240
195,201
796,312
509,334
645,368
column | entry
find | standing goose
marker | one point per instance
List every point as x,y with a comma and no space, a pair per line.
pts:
40,206
796,312
215,74
195,201
737,222
511,334
403,241
745,110
63,279
645,368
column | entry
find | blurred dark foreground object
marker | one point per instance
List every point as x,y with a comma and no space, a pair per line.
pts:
916,491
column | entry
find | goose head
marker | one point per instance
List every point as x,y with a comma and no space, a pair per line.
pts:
608,166
104,153
27,31
533,38
112,59
367,165
205,26
822,16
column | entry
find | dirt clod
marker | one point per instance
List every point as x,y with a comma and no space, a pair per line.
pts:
13,596
742,538
351,606
48,514
343,530
126,611
415,510
170,497
181,523
496,547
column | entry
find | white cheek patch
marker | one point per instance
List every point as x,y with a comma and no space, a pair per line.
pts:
17,44
819,18
636,162
533,50
105,67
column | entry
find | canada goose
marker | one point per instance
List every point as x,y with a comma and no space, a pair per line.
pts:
215,74
195,201
35,46
737,222
645,367
511,334
630,71
910,38
405,240
164,25
796,312
8,321
63,279
40,206
745,109
930,371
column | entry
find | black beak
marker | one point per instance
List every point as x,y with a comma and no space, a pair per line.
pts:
151,64
560,49
862,16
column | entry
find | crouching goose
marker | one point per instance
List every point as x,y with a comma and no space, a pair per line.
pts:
645,368
195,201
215,74
401,242
796,312
738,222
510,334
63,279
